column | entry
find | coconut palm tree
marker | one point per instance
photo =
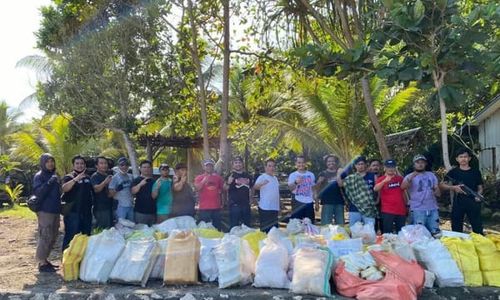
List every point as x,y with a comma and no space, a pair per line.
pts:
8,125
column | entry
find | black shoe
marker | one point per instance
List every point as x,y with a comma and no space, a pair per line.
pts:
53,266
46,269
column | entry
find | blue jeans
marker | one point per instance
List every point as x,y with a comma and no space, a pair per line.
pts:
428,218
123,212
240,214
75,223
355,217
332,211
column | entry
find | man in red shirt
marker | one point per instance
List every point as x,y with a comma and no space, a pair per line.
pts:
392,198
209,186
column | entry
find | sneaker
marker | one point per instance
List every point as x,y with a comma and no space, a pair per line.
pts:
46,269
53,266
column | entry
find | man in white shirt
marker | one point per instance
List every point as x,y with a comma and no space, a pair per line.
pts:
301,183
269,203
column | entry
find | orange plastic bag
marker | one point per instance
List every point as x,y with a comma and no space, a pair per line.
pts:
410,272
391,287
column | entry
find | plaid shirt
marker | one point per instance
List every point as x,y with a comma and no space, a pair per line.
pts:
358,192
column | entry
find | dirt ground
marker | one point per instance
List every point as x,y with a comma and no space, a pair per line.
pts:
19,278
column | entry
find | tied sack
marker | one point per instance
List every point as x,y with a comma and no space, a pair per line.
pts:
272,264
136,262
489,259
235,261
434,256
208,264
159,265
103,250
312,268
254,239
464,254
366,232
73,256
181,260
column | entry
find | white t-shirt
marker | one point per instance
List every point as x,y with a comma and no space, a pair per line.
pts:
303,192
269,193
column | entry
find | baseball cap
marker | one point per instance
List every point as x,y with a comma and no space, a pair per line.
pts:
164,166
419,157
359,159
208,162
123,161
390,163
180,166
238,158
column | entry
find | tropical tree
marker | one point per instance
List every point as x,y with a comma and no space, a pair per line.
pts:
8,125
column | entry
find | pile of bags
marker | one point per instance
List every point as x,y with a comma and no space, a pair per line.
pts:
303,258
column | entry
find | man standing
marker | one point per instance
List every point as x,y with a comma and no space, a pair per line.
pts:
332,201
269,200
78,196
301,183
184,202
374,166
162,193
120,190
238,186
47,189
145,206
467,184
209,186
359,192
103,204
423,188
393,204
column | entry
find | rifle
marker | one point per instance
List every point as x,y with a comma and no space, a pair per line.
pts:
468,191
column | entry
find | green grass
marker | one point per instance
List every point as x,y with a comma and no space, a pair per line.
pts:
18,211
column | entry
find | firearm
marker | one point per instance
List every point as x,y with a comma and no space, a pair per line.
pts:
468,191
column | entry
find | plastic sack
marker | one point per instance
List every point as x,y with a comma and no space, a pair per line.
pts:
435,257
495,238
414,233
447,233
310,228
464,254
208,233
253,239
366,232
73,256
206,225
136,262
240,231
356,262
124,227
103,250
177,223
159,265
181,260
430,278
398,246
208,264
334,232
344,247
272,264
489,259
312,267
235,261
295,226
141,234
390,287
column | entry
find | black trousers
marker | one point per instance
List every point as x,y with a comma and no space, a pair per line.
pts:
389,221
472,209
267,219
302,210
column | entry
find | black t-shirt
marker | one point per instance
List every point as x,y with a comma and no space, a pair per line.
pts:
471,178
81,195
144,203
239,189
333,194
101,200
184,202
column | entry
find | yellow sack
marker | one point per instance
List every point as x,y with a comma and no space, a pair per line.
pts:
72,257
208,233
464,253
253,239
181,260
495,238
489,259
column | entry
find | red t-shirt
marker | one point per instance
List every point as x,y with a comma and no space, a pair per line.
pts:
210,193
392,196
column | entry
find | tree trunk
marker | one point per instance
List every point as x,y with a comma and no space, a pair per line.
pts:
131,154
149,149
377,129
201,81
438,84
224,146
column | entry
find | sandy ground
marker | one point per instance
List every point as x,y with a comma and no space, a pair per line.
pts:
19,276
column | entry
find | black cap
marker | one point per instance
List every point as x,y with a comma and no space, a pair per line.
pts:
238,158
180,166
360,159
123,161
390,163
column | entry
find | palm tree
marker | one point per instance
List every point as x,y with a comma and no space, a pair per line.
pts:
8,125
43,69
50,134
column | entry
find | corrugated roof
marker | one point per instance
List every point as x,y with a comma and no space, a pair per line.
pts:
487,111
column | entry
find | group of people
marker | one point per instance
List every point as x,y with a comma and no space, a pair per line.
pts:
383,199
